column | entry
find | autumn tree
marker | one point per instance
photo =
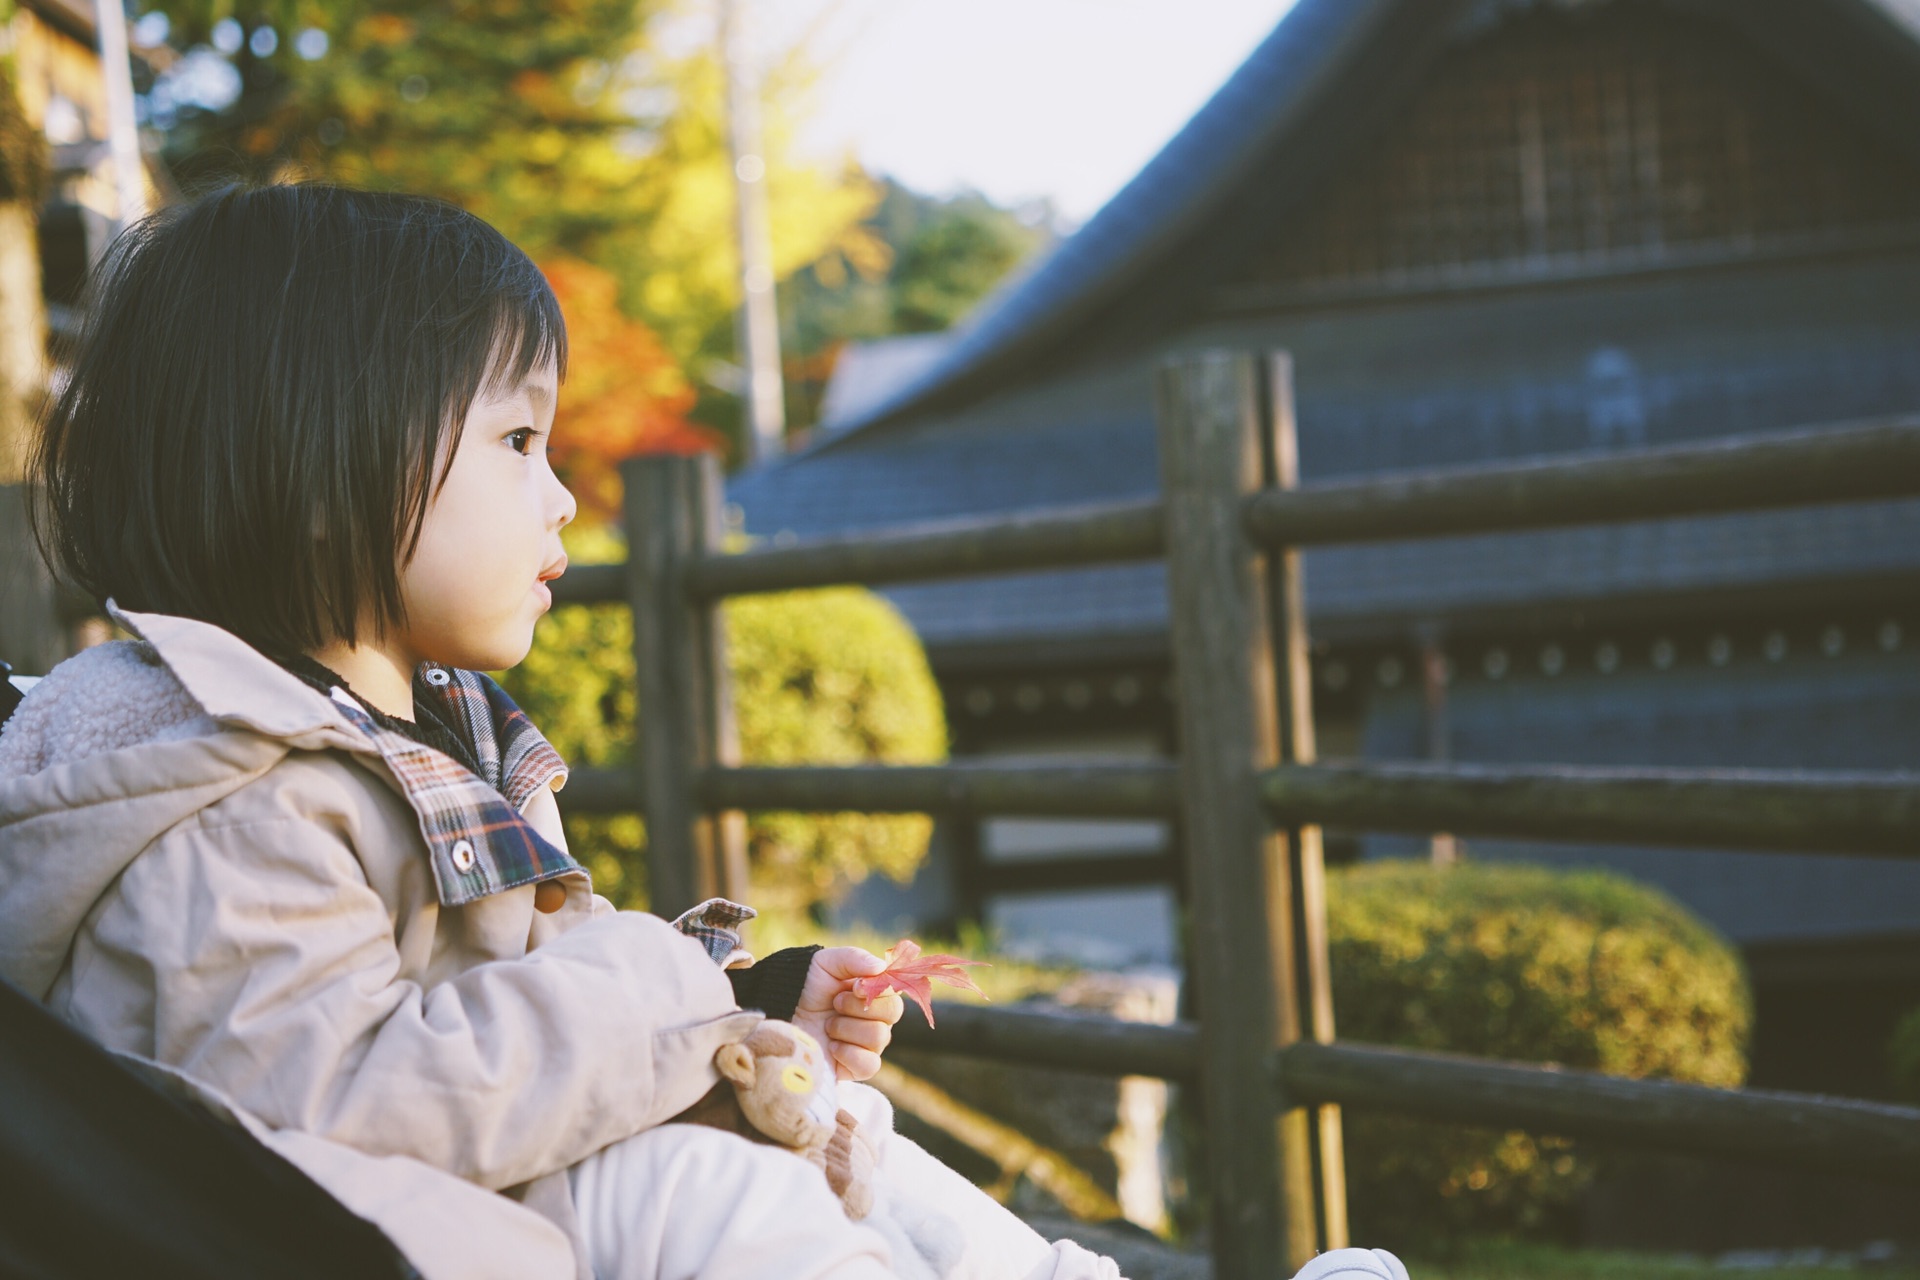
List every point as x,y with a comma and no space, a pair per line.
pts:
568,126
624,394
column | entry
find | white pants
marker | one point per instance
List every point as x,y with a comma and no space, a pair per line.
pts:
683,1202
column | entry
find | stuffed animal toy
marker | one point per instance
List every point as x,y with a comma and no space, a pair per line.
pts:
777,1087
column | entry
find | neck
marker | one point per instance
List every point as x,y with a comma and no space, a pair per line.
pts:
381,675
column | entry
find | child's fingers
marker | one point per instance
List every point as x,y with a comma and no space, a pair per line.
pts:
852,1063
860,1033
886,1008
842,963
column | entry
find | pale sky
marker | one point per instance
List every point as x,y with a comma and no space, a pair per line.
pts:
1019,99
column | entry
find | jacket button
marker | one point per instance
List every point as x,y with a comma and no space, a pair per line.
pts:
463,855
438,678
549,896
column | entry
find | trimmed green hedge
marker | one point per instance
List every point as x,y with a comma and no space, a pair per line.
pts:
820,677
1583,969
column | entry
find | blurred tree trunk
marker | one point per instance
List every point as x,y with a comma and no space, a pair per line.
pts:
23,333
30,635
23,314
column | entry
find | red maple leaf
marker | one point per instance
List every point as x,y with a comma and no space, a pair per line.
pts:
912,974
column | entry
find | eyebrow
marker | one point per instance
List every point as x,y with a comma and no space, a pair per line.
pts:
538,393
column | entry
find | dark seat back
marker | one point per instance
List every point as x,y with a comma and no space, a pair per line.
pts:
9,696
103,1174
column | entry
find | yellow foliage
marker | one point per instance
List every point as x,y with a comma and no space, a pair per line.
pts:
689,285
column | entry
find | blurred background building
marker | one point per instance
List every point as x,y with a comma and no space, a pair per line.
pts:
1486,231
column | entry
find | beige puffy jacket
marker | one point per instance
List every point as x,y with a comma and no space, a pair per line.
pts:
204,863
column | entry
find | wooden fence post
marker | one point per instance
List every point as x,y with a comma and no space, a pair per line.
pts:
1240,932
684,720
1286,595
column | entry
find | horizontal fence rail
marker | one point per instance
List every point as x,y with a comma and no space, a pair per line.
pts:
1075,1042
591,584
1836,1135
1857,813
1050,539
1054,538
1779,811
1846,463
1049,790
1843,463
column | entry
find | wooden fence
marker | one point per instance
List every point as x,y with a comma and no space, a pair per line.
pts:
1247,789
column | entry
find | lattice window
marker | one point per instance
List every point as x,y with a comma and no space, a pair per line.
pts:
1614,134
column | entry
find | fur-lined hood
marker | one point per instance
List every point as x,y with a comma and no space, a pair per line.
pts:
116,746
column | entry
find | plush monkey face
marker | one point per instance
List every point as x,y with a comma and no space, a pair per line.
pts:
784,1083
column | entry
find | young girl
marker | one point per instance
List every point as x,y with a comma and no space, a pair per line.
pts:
288,845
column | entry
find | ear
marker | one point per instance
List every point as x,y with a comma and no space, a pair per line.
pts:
735,1063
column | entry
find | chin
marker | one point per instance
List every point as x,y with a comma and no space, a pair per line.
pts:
494,653
505,656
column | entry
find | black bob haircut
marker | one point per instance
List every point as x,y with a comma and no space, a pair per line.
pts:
265,396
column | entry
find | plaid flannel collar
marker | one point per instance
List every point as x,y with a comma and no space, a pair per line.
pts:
478,843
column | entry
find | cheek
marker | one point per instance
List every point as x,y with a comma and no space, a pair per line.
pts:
487,519
480,549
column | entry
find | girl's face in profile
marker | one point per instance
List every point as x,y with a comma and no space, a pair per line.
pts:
491,538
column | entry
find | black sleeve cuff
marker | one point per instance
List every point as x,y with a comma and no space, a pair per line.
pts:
773,985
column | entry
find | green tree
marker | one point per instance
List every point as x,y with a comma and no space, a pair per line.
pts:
962,251
569,126
499,105
923,263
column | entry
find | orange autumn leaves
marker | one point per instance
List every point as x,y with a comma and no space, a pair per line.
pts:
623,396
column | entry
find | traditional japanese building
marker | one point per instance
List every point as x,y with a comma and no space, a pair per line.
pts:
1488,229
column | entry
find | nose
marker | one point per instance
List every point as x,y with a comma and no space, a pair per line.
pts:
563,505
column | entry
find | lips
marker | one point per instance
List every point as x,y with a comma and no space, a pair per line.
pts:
548,574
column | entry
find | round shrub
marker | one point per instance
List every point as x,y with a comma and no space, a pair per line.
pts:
819,677
831,677
1583,969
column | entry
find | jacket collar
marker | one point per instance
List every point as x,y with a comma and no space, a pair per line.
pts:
478,842
234,682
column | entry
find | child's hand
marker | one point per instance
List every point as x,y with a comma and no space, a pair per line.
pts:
853,1031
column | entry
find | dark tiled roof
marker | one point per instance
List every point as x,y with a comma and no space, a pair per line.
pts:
1287,96
1437,384
1407,383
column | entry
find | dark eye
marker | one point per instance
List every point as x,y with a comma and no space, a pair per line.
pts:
522,440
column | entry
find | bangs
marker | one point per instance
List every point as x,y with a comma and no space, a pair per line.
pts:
514,329
528,334
267,391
